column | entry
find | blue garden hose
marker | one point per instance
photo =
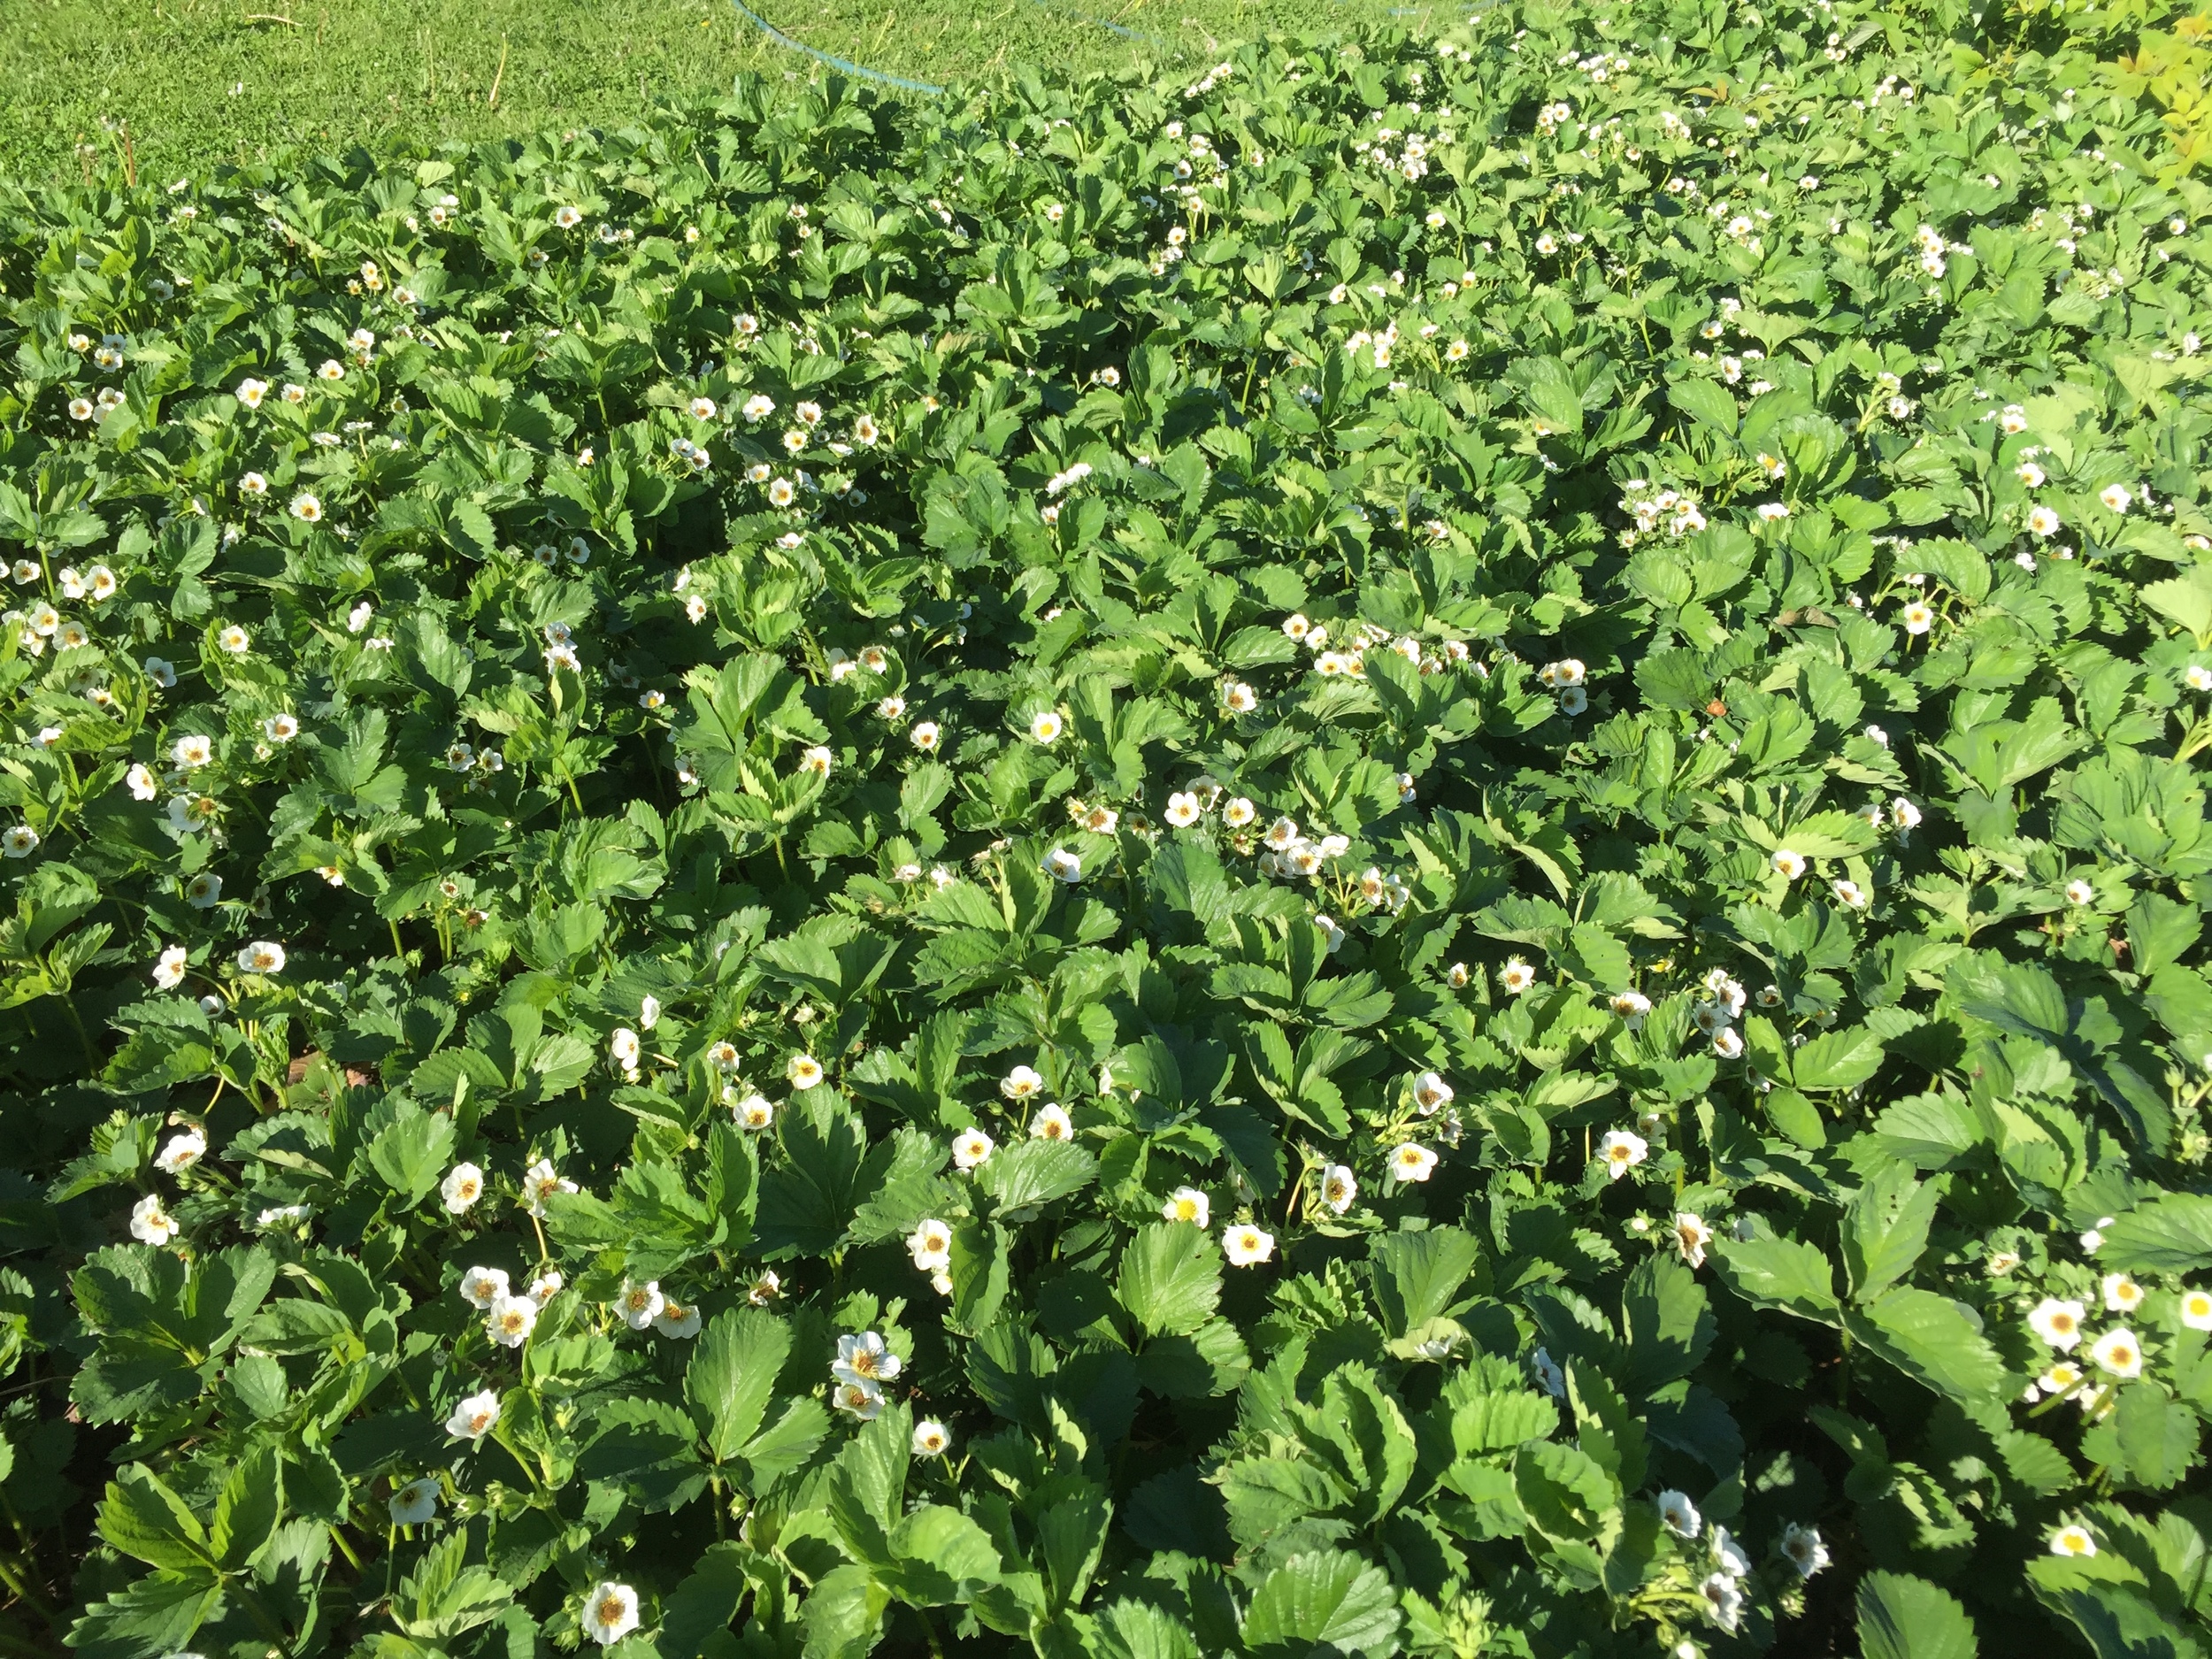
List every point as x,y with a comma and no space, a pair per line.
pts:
843,65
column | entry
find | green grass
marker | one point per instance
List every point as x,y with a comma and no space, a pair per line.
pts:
201,81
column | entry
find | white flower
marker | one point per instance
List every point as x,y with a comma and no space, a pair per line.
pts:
545,1286
2092,1240
1188,1204
2196,1309
2118,1354
251,392
1679,1513
759,406
143,786
481,1286
1728,1043
169,971
649,1013
189,752
2043,522
262,956
1245,1245
1051,1123
1850,895
931,1437
1044,726
865,1358
150,1224
1724,1601
611,1612
415,1502
2073,1540
860,1399
474,1418
1411,1162
1020,1083
2122,1294
1238,812
1787,864
1801,1547
622,1047
1632,1007
357,619
765,1288
1063,865
1517,976
931,1246
639,1304
2116,497
678,1320
1182,809
817,760
925,737
463,1185
510,1320
802,1072
19,840
307,507
2079,892
540,1183
281,729
1918,617
753,1112
1338,1187
1623,1150
2199,677
2057,1321
1430,1092
1690,1236
971,1148
182,1152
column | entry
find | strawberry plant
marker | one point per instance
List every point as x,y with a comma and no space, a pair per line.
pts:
1399,851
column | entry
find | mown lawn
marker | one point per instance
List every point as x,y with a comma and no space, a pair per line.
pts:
201,81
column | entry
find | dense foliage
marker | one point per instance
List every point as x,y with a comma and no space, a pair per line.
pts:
1399,853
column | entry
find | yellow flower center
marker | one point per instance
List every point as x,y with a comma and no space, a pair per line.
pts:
611,1611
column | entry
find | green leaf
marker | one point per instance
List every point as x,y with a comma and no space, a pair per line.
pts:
1035,1171
807,1201
731,1373
247,1511
1669,1322
1886,1229
1904,1618
1169,1278
1329,1601
867,1484
413,1152
1778,1272
143,1519
2186,600
1935,1340
1567,1494
1708,402
1836,1059
1417,1275
2170,1234
2156,1435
